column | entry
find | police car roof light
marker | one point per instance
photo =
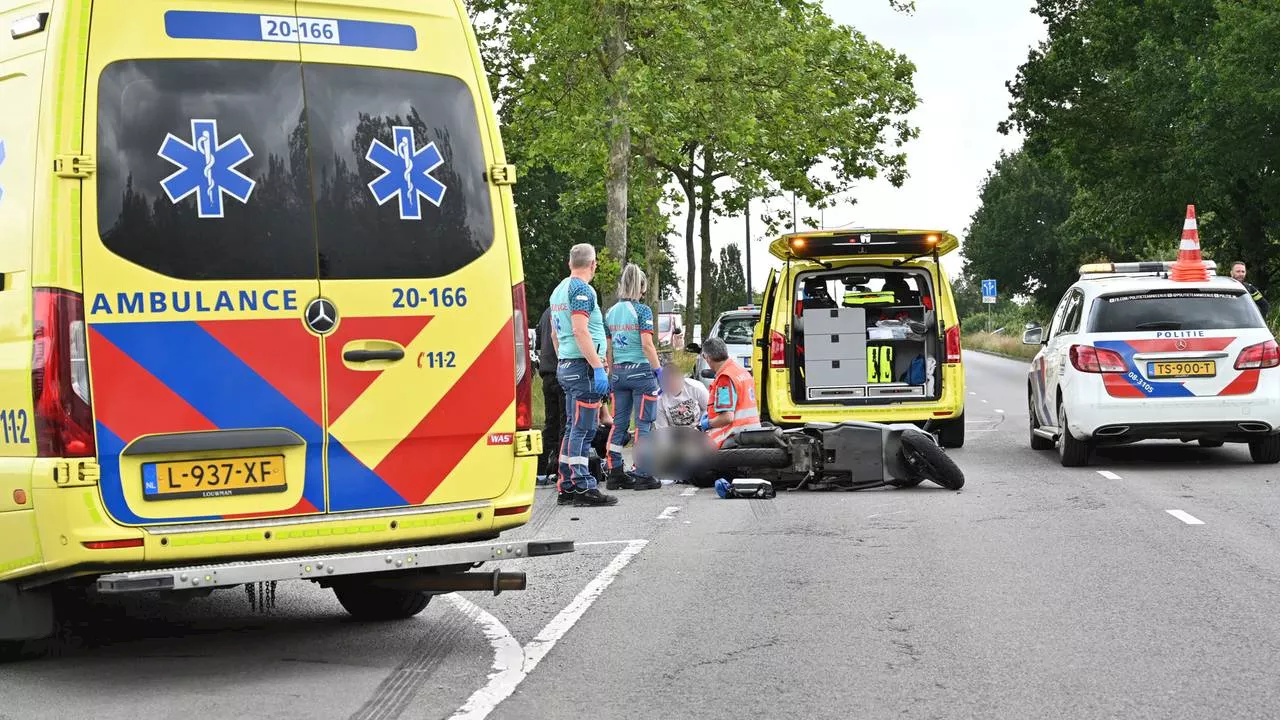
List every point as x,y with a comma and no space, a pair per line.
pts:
1131,268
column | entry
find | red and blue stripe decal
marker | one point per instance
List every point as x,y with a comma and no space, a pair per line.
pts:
1132,383
171,377
153,378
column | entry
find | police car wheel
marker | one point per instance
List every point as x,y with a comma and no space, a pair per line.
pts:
375,604
1265,451
1072,452
1037,442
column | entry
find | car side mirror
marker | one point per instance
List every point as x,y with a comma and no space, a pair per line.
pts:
694,348
709,374
1033,335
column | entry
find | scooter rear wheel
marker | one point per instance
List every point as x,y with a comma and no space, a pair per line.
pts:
929,462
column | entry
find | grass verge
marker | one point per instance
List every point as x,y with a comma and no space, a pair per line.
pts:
1000,344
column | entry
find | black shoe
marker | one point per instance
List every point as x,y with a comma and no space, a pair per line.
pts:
594,498
645,482
619,480
565,498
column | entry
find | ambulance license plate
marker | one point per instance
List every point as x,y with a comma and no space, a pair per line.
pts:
223,477
1182,368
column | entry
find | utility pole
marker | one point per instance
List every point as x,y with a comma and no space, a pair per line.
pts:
747,249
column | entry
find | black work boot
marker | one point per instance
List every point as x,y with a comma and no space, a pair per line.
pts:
619,480
594,498
565,497
644,482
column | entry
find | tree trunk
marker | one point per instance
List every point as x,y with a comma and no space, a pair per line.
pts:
690,259
708,195
617,175
691,263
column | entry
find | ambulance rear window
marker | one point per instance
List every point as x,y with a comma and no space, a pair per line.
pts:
1174,310
194,228
390,223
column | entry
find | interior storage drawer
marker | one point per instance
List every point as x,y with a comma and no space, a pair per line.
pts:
837,321
843,346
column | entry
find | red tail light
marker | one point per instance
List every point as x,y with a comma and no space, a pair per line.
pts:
60,376
1255,357
1087,358
953,344
524,378
777,350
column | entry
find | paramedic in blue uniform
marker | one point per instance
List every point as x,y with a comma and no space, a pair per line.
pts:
579,337
634,370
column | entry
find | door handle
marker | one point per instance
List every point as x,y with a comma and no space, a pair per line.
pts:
372,355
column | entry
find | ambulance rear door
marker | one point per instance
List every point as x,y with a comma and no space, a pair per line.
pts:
199,259
413,257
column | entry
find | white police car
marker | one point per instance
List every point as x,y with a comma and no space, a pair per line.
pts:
1132,355
736,328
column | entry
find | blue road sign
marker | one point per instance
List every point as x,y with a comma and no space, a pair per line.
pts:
988,291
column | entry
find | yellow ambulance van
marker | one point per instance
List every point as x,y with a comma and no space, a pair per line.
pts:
261,305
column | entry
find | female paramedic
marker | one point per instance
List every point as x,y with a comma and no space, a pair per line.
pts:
634,372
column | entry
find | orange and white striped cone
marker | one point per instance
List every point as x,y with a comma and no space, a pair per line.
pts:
1190,265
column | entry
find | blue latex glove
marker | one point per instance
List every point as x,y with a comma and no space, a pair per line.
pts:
600,381
657,375
704,424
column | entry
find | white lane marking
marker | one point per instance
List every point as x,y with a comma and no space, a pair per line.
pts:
1108,475
876,515
972,392
999,411
689,492
1185,517
604,542
985,401
508,661
501,683
669,513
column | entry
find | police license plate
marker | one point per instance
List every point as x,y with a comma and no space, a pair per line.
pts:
1182,368
213,478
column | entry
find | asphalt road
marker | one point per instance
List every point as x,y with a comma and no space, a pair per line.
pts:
1037,591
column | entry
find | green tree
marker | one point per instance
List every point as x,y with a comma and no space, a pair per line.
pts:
1016,236
728,287
1153,105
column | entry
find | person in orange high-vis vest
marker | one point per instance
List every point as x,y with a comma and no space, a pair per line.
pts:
733,395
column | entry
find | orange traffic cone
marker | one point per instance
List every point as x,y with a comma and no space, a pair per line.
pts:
1190,265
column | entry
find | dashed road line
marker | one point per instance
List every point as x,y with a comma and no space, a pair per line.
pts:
999,411
510,671
689,492
669,513
986,401
1108,475
604,542
1187,518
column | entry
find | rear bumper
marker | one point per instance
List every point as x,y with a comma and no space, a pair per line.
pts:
65,518
1093,414
323,567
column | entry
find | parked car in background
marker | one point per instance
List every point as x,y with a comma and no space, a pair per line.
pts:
737,329
670,333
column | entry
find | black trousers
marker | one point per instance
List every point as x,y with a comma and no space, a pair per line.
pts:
553,433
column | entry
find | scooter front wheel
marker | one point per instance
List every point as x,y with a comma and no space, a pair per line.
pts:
927,461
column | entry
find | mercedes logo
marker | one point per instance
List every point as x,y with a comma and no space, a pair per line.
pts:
321,316
1181,344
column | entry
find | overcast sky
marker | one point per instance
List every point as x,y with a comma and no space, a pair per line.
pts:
964,51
